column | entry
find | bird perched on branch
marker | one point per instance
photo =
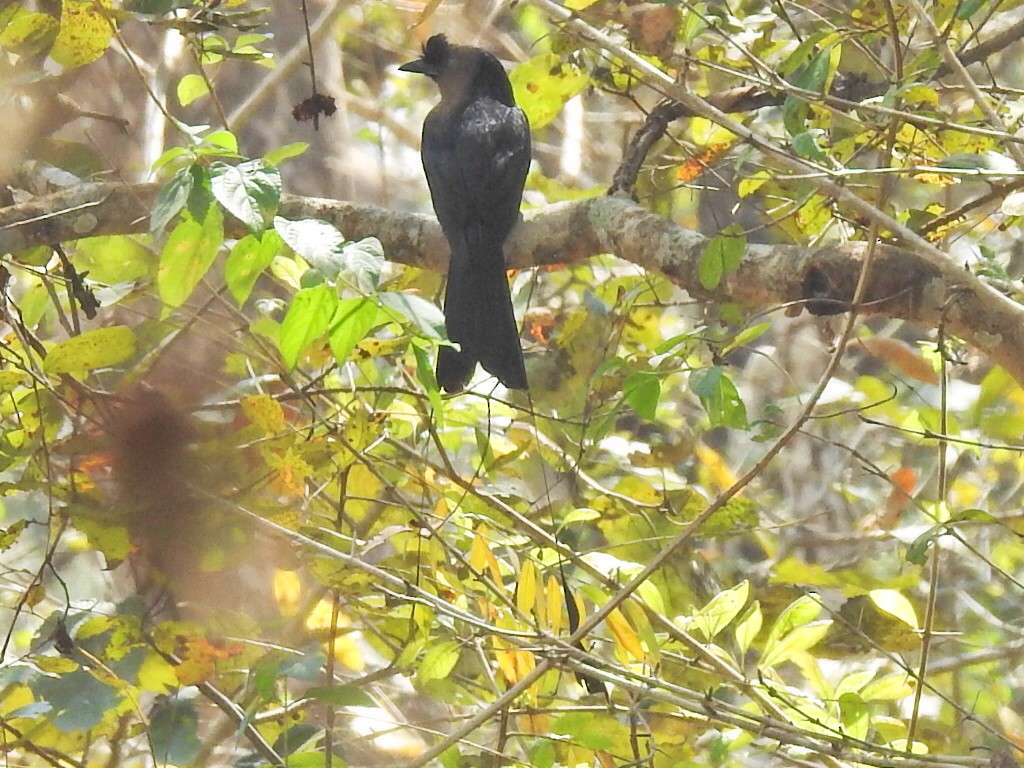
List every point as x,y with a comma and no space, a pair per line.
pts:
476,152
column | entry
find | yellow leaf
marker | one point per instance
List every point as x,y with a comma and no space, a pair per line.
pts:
554,604
713,466
895,604
287,591
85,33
526,589
24,32
156,675
100,348
506,662
264,413
525,664
15,697
56,665
544,84
320,618
535,723
751,184
625,635
368,348
349,653
290,472
362,484
480,555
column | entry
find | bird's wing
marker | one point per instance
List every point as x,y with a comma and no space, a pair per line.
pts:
478,160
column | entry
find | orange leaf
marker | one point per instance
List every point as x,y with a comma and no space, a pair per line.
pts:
697,164
904,358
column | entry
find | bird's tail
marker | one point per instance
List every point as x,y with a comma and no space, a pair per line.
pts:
478,315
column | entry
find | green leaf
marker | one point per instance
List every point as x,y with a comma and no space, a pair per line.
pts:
889,688
543,754
314,758
794,115
308,318
318,242
153,7
746,336
341,696
247,260
720,398
968,8
190,88
173,732
801,54
250,190
544,84
425,374
806,145
799,640
79,700
854,682
855,716
819,73
722,256
89,351
748,626
220,143
9,536
817,77
917,552
651,595
187,256
895,604
580,515
721,610
801,611
350,324
292,739
585,728
362,262
171,200
694,23
114,259
438,661
277,156
642,391
424,315
305,666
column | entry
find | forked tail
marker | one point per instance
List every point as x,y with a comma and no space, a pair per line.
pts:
478,315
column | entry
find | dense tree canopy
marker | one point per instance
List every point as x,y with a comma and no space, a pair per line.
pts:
760,505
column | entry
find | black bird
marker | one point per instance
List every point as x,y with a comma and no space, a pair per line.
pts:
476,152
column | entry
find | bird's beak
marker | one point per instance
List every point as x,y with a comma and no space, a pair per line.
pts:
420,66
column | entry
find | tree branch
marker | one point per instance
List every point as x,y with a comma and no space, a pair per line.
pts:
904,284
848,91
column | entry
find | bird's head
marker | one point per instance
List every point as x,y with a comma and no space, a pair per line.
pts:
436,54
461,71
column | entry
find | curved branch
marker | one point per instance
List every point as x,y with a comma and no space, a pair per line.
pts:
905,284
743,99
